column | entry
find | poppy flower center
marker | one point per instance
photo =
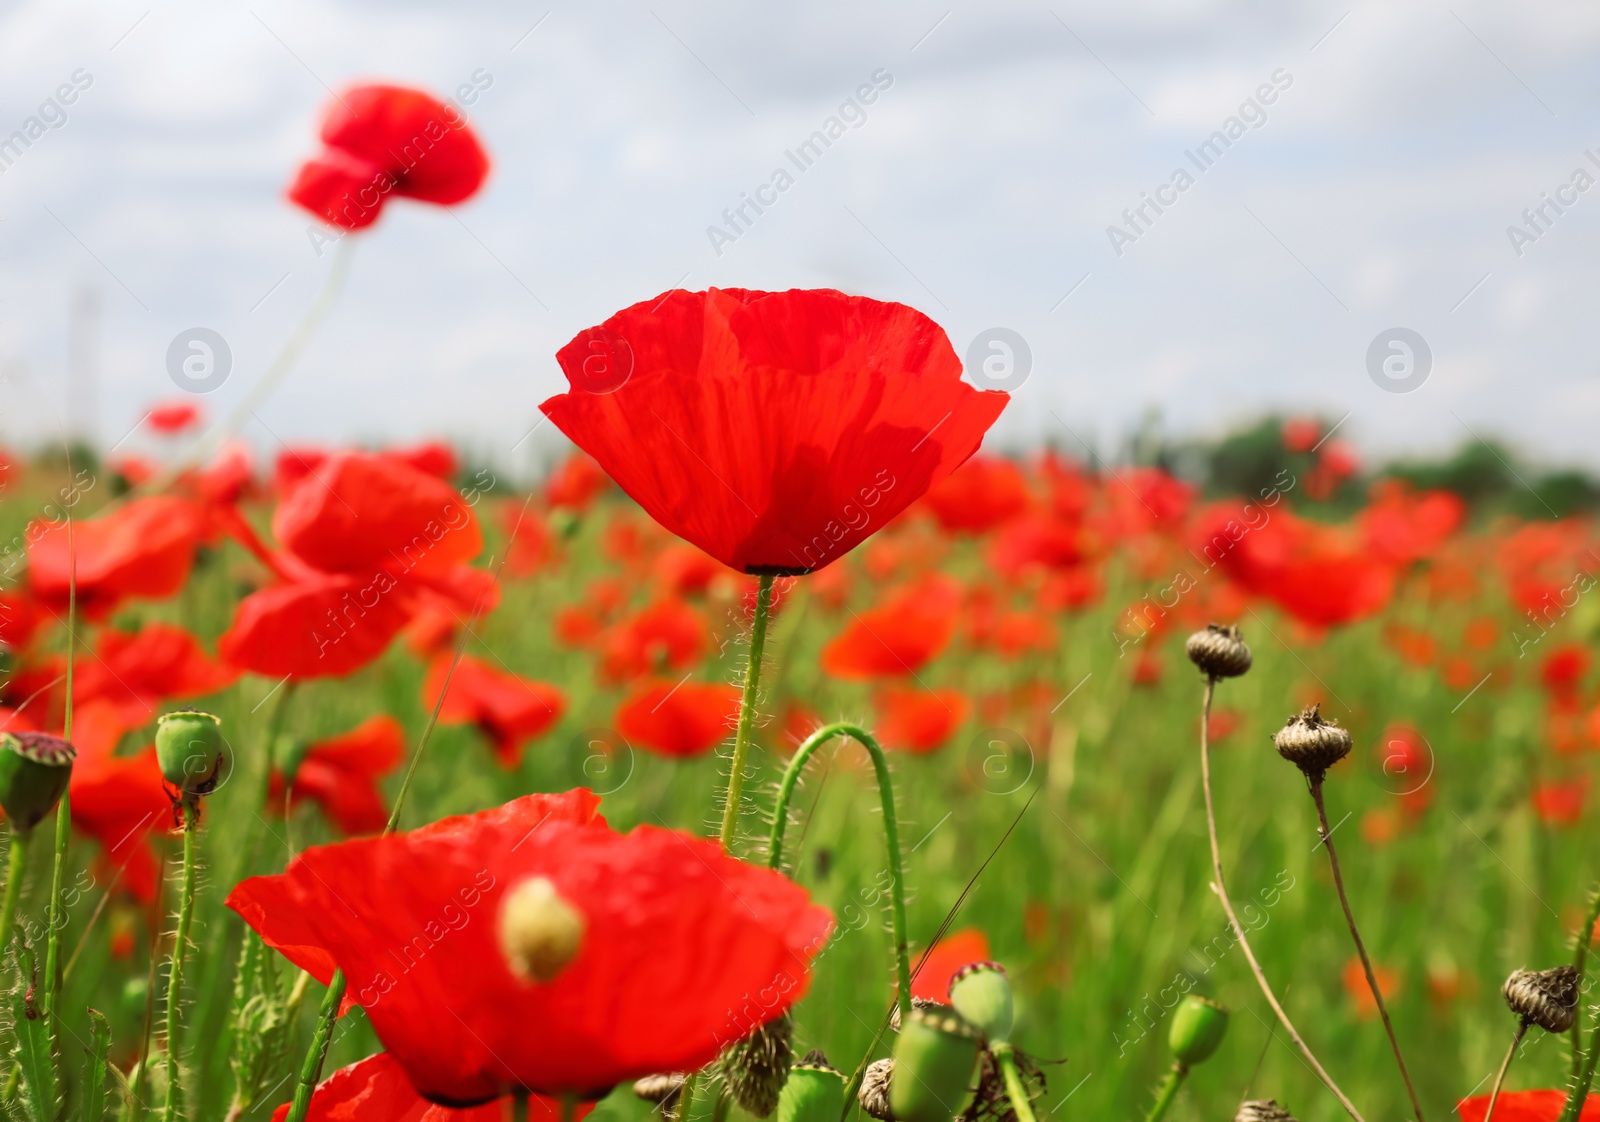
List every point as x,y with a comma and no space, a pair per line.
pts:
539,931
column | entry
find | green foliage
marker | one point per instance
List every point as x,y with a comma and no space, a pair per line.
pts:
38,1096
262,1021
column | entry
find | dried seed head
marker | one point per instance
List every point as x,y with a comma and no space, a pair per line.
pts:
1312,744
916,1003
874,1093
1547,998
815,1060
1218,651
757,1066
1262,1110
660,1089
539,931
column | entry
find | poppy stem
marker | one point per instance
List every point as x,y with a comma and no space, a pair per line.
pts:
747,712
1361,949
311,1068
1505,1065
519,1107
52,955
1580,956
1005,1059
180,939
891,835
1168,1092
16,869
1219,886
686,1098
1580,1092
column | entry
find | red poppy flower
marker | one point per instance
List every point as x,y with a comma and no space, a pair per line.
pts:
1016,633
979,495
225,480
773,430
1403,527
1354,977
1301,433
136,673
678,719
1561,804
143,548
369,542
1564,669
1545,564
950,954
20,619
667,635
576,483
1036,541
118,800
341,775
433,457
1071,589
296,463
1526,1106
376,1090
908,631
382,140
683,570
510,710
530,543
173,417
682,948
920,720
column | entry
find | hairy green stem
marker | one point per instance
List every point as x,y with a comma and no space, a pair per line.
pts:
747,712
16,869
1580,1090
1169,1091
686,1098
1005,1058
311,1068
180,939
1579,960
891,834
1361,948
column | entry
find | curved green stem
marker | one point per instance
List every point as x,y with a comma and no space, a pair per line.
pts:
891,834
191,827
16,869
311,1068
1579,960
1006,1059
1169,1091
747,712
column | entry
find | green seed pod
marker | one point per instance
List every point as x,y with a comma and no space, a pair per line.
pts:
1198,1025
757,1067
981,993
934,1058
814,1091
191,751
34,771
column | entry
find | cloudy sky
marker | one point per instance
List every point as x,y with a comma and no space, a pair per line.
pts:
1374,192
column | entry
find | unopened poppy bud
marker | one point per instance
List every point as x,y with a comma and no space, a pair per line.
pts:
874,1093
981,993
1312,744
1198,1025
934,1058
757,1065
814,1091
1218,651
34,771
660,1089
1262,1110
1547,998
191,751
539,931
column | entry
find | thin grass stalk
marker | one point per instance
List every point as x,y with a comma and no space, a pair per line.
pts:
1361,948
1219,886
1505,1065
16,869
747,713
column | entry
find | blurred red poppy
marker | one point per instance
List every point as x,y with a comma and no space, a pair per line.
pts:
1354,978
143,548
576,483
295,463
20,619
136,673
979,495
530,544
118,801
1402,527
382,140
675,938
678,718
341,775
1561,803
431,456
509,709
775,431
919,720
1300,433
911,628
1017,633
666,635
1526,1106
376,1090
1564,669
957,949
173,417
1039,541
683,570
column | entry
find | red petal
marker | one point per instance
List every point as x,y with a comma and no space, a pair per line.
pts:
912,627
315,629
679,719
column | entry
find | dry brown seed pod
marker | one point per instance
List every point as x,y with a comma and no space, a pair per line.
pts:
874,1093
1218,651
916,1003
1547,998
757,1066
1311,743
660,1089
1262,1110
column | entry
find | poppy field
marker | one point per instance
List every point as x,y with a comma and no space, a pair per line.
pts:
785,751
